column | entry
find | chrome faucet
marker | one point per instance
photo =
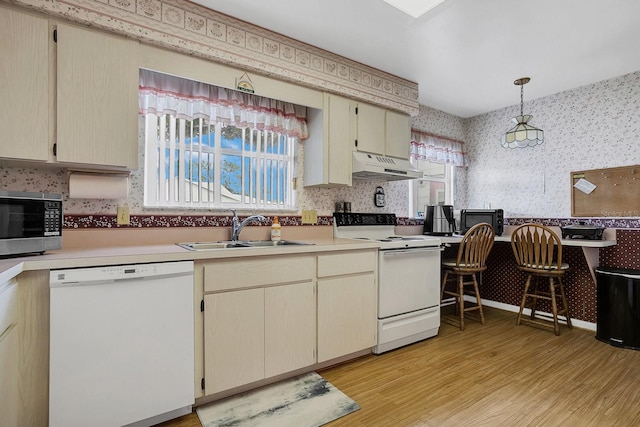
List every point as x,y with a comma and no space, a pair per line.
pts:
237,226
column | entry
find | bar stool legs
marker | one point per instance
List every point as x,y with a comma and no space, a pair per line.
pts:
532,293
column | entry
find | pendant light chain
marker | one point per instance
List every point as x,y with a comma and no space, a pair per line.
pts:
522,99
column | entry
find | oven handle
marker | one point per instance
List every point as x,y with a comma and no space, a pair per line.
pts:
394,252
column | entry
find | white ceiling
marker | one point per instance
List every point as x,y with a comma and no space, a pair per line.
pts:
465,54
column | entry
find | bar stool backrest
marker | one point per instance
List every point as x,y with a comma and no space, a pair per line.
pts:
536,247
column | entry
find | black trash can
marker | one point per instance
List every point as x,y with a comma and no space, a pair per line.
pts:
618,321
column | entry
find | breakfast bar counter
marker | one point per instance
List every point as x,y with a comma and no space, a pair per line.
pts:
590,248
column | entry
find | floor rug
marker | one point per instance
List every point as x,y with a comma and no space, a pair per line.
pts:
304,401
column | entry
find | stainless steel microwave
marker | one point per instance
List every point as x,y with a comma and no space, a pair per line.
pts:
30,222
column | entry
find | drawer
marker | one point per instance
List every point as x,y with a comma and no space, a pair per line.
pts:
257,271
8,305
337,264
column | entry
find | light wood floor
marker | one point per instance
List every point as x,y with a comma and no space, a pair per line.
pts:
493,375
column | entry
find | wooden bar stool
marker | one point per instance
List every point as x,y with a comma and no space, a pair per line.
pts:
472,256
538,252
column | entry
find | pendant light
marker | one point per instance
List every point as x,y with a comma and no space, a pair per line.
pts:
522,134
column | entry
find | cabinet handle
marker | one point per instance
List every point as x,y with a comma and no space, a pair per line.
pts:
55,148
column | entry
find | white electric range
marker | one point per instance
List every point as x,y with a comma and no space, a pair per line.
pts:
408,278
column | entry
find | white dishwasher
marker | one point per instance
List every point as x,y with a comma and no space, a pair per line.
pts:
122,344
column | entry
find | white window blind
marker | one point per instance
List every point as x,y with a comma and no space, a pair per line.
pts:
197,164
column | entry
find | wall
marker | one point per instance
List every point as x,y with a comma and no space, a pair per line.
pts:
591,127
47,179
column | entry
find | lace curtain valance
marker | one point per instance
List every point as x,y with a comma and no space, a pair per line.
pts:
425,146
164,94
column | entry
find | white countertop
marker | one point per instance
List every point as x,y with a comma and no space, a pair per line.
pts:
11,267
584,243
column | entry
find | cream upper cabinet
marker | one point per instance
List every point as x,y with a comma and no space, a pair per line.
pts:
327,152
370,129
383,132
97,98
397,135
24,86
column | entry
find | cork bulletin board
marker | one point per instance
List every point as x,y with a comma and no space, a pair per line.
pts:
611,192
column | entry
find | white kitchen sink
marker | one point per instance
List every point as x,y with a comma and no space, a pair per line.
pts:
226,244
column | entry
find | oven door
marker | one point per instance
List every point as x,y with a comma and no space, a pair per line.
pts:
409,280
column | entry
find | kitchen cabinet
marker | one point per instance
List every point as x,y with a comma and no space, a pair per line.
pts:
347,303
8,355
327,152
370,129
383,132
397,134
97,99
24,86
259,319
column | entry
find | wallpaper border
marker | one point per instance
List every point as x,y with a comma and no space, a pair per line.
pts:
90,221
186,27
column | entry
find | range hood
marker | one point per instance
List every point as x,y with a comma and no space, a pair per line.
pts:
374,166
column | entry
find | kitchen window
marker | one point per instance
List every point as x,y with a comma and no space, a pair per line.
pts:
435,156
436,187
209,147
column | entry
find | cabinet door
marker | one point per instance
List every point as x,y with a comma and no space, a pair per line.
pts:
328,151
233,339
347,307
8,355
340,139
97,100
371,129
290,328
9,377
24,86
398,135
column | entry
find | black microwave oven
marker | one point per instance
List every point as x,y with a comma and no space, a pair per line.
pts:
30,222
471,217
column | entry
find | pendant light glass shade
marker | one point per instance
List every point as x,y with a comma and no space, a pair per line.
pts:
522,134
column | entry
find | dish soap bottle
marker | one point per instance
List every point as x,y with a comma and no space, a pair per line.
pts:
275,230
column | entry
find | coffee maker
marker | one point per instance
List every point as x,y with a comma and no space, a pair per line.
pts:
439,220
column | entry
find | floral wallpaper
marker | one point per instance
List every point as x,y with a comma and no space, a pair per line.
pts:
591,127
608,137
50,180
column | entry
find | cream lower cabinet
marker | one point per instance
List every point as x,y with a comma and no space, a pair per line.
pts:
259,319
9,366
347,303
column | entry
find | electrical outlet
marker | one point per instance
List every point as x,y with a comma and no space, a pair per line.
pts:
123,215
309,217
